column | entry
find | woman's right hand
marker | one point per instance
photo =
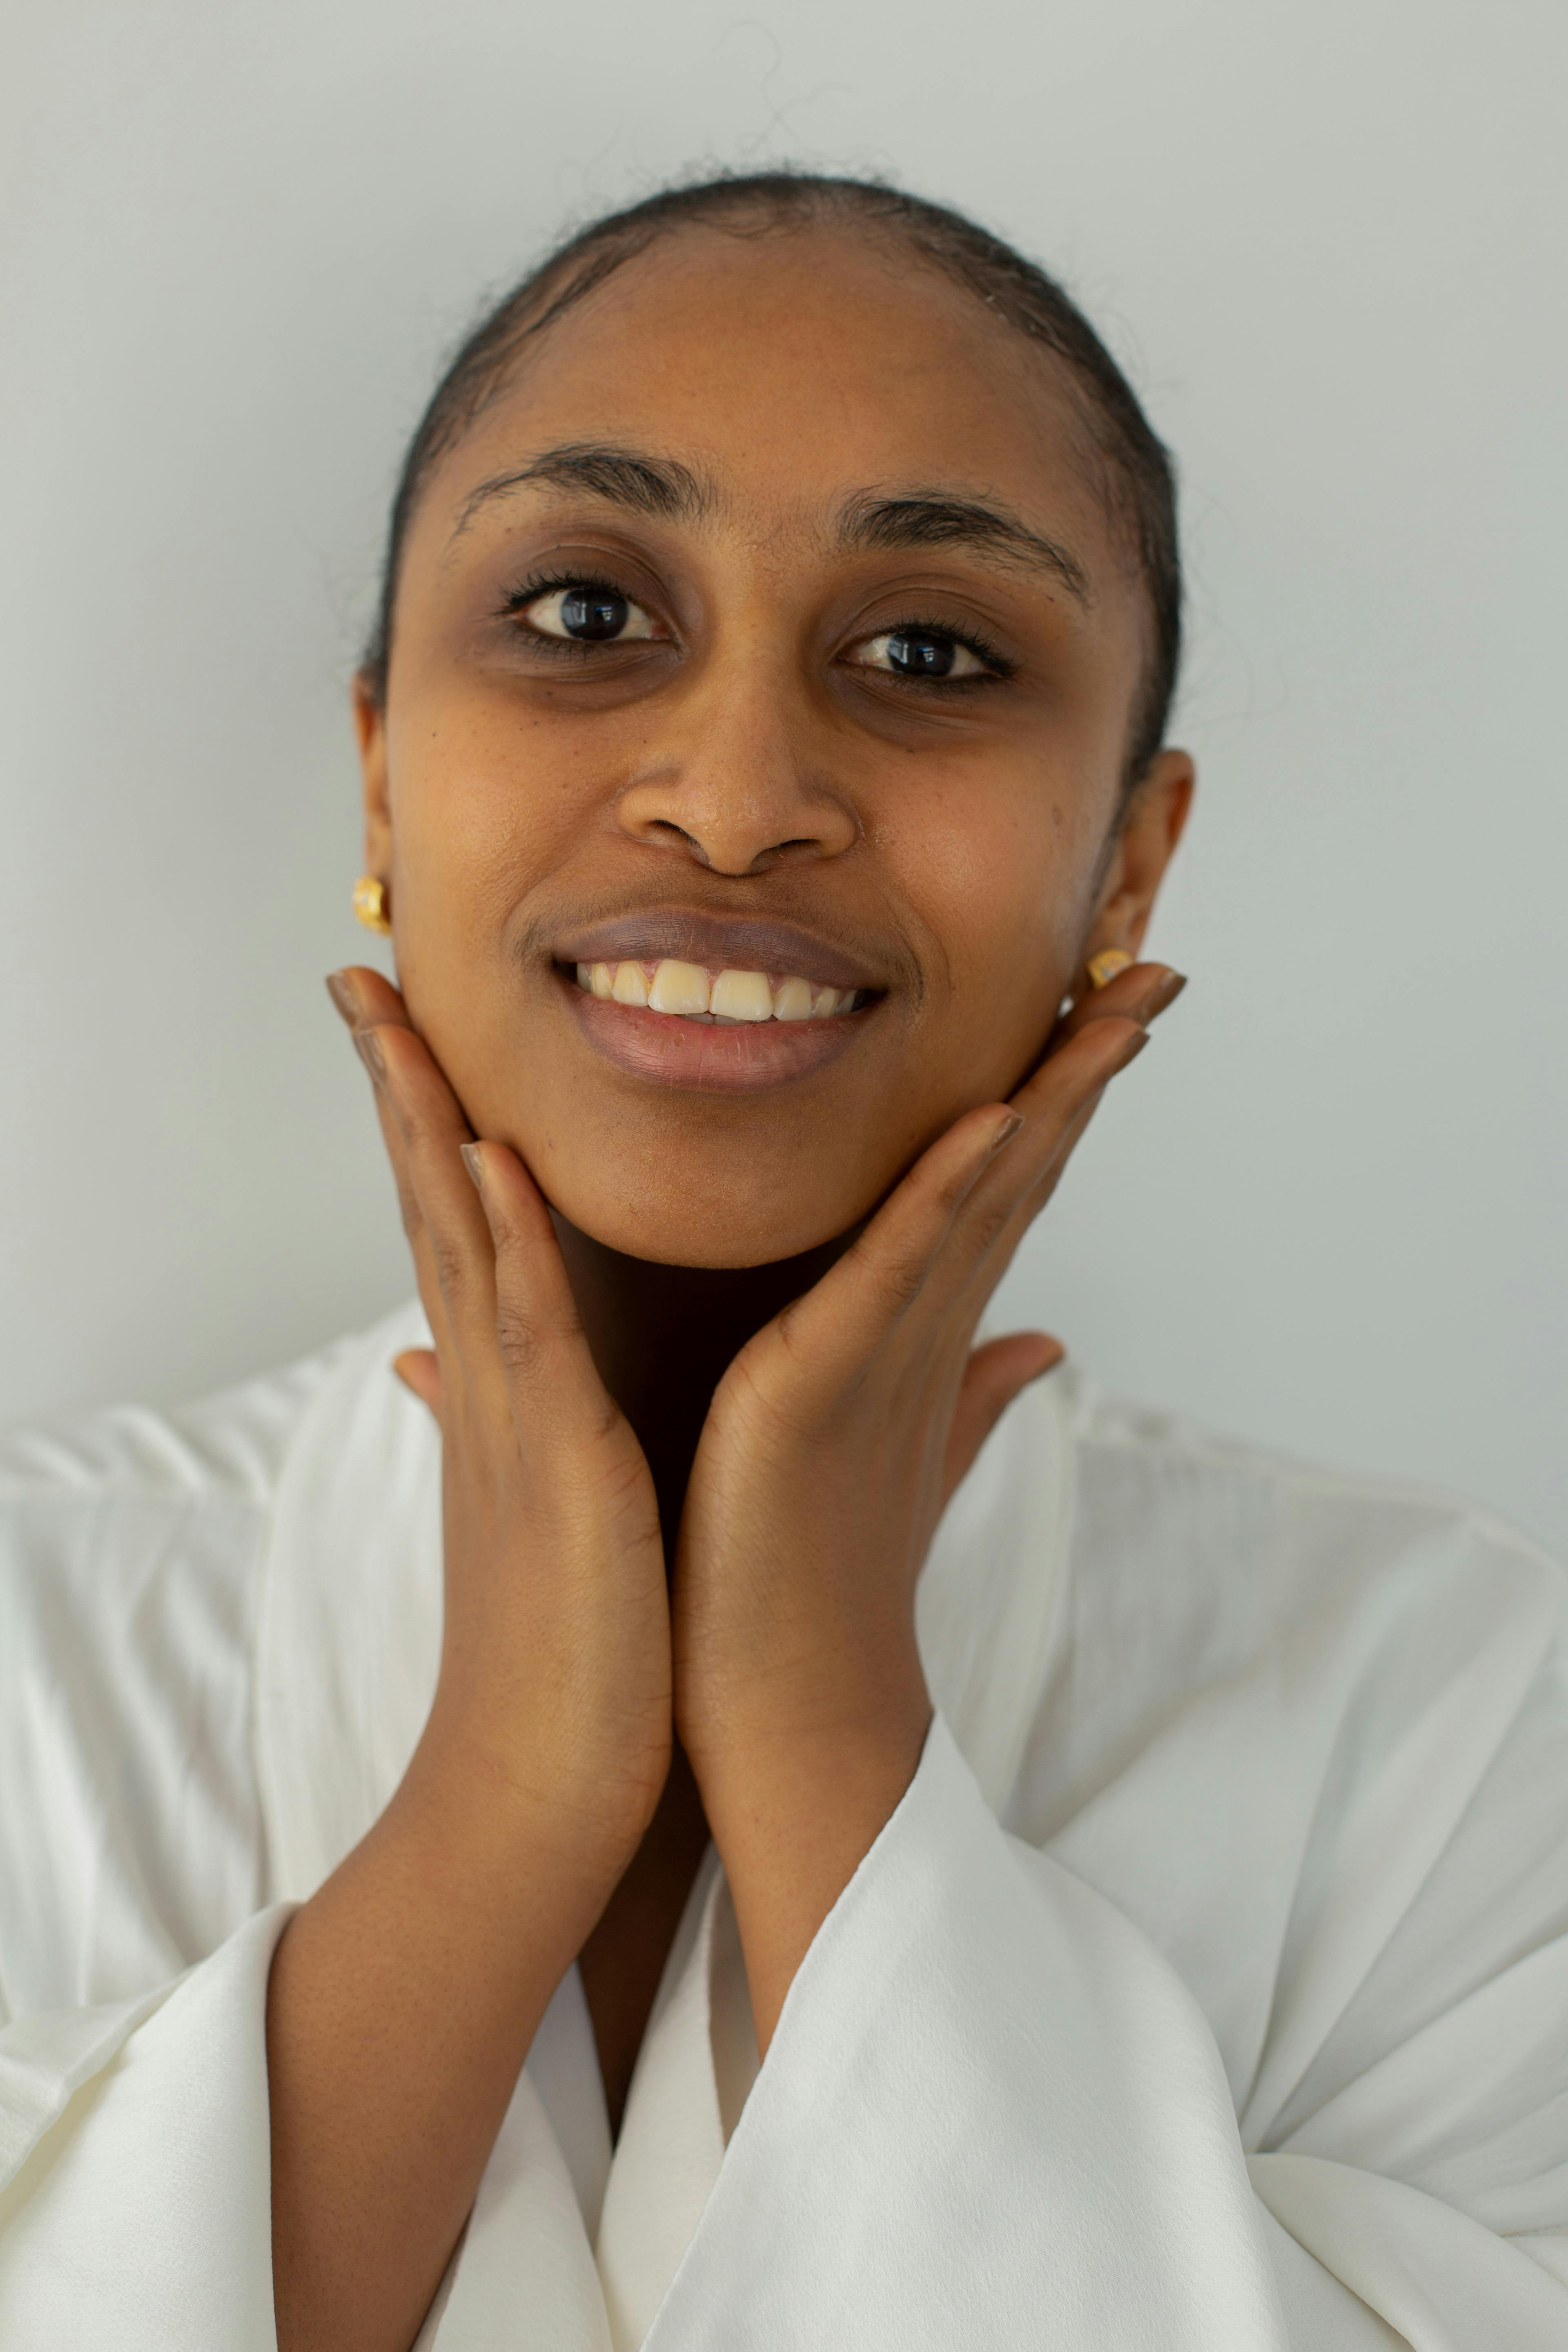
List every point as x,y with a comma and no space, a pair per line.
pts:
556,1660
403,1996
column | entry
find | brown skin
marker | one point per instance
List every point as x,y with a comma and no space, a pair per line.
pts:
708,1352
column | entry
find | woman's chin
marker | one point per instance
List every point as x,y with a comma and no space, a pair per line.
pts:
676,1225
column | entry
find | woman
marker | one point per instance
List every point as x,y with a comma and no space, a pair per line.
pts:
568,1851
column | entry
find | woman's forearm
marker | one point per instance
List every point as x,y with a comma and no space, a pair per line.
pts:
402,2000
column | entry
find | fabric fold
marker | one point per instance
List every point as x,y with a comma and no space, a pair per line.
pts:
989,2110
1440,2280
141,2219
522,2280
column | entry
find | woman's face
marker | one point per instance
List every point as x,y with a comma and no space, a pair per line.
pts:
769,625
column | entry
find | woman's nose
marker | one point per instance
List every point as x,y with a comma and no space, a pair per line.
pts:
736,779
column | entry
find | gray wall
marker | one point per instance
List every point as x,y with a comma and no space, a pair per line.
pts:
1327,1210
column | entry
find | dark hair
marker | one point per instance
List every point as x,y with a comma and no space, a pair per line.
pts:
1138,481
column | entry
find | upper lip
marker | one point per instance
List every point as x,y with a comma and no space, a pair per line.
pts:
724,942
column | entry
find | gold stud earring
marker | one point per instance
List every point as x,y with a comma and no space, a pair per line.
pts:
370,903
1103,968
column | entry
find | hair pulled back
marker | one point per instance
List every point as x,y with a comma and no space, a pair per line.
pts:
1138,482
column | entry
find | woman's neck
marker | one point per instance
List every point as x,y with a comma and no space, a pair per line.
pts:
664,1336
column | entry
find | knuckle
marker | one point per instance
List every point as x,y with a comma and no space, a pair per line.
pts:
506,1235
517,1339
450,1262
409,1210
902,1280
1119,1036
991,1220
955,1186
793,1345
419,1129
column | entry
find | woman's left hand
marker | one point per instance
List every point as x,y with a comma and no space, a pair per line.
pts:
831,1447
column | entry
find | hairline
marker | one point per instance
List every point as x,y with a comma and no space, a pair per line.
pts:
1103,474
1116,437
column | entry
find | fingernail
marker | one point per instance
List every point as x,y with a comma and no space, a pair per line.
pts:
1135,1045
369,1048
475,1165
1004,1134
1163,995
341,991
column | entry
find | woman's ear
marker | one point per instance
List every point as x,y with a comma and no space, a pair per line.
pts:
369,732
1144,843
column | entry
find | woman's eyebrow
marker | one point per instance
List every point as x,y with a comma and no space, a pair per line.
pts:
934,519
648,485
624,477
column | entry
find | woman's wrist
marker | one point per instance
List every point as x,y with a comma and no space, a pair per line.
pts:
496,1810
792,1818
841,1717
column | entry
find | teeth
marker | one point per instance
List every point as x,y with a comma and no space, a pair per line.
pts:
794,1000
677,987
742,996
671,986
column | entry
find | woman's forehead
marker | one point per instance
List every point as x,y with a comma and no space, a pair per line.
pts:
787,375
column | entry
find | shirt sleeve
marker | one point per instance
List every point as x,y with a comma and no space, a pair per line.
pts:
990,2114
135,2198
993,2114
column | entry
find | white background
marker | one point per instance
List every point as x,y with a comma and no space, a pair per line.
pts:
1326,1210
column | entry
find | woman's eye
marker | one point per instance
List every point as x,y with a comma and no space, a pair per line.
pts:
591,615
921,653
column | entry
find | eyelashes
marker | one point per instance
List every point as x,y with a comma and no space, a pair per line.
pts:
924,637
585,614
595,596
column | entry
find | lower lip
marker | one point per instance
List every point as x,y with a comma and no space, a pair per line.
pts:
701,1057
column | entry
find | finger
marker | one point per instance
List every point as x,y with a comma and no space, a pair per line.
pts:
1057,1106
927,1240
543,1350
882,1275
408,1204
1140,993
1061,1095
447,1226
994,1376
365,998
967,1259
1054,1107
419,1369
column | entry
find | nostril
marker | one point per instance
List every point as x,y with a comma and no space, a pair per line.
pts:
669,836
664,832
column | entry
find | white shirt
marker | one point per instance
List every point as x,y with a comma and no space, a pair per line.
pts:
1206,1992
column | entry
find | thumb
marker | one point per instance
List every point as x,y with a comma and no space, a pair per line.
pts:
419,1371
993,1377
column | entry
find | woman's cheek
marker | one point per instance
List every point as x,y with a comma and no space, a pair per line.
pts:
998,881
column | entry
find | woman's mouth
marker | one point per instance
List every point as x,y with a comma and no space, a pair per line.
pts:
695,992
682,997
706,1030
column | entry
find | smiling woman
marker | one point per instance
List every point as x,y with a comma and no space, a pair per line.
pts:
807,598
720,1810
